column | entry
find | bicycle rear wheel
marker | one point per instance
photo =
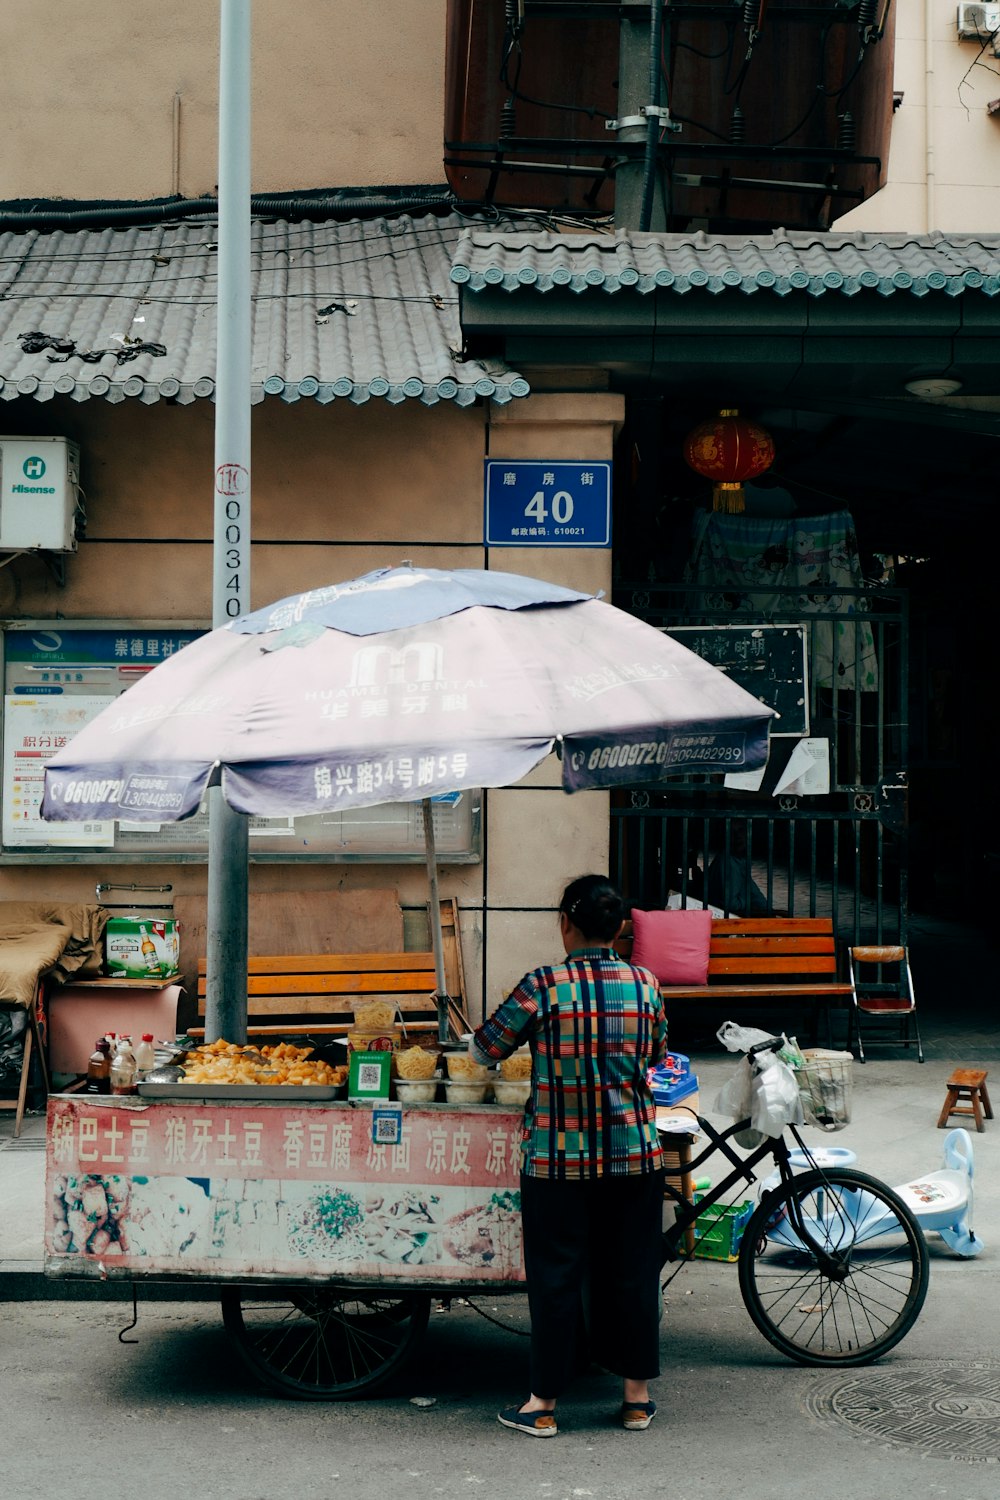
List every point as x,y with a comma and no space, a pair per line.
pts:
324,1343
855,1295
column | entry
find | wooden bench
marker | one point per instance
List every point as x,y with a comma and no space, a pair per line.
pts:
293,994
767,962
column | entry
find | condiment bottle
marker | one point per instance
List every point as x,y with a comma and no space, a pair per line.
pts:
123,1068
145,1057
99,1068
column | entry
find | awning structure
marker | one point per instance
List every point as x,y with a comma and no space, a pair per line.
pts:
780,262
342,311
796,316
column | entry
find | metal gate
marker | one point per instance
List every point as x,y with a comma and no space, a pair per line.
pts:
842,854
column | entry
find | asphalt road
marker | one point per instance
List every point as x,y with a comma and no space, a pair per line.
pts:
175,1414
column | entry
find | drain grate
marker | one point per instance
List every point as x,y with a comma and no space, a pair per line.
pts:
24,1143
945,1409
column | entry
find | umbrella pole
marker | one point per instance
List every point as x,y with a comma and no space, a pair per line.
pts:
437,938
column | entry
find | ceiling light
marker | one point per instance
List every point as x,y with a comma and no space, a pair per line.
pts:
933,386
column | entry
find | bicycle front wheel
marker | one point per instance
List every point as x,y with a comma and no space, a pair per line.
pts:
324,1343
833,1268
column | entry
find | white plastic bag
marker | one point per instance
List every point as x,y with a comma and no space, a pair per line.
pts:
764,1088
741,1038
776,1101
735,1096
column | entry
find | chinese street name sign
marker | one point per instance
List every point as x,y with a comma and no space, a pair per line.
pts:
550,504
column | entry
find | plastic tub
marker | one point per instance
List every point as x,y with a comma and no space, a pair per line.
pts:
416,1090
461,1068
512,1091
463,1092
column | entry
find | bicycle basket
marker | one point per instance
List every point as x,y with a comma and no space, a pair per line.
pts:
826,1087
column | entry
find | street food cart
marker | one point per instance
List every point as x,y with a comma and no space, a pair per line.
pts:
326,1223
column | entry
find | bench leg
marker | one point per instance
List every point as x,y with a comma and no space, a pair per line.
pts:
987,1106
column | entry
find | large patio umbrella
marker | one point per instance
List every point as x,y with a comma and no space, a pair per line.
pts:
400,686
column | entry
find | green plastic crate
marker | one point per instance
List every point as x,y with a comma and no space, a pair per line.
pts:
719,1229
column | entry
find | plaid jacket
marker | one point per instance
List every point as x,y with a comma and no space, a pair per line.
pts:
594,1025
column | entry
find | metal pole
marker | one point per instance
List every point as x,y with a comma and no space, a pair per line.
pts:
434,916
228,842
634,94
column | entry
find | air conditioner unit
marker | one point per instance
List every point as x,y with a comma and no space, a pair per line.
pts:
39,484
977,23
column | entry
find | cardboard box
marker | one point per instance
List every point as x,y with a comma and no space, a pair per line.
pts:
141,948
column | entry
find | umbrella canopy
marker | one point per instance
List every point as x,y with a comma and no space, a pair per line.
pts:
401,685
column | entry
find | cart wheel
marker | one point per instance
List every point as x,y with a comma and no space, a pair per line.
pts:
857,1295
324,1343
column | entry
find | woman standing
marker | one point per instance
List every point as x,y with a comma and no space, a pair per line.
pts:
591,1165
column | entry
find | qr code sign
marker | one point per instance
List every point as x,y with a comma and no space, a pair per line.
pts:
387,1127
369,1076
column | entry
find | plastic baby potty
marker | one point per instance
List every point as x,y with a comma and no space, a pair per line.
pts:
940,1201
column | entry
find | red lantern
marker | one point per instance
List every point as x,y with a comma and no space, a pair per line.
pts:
728,449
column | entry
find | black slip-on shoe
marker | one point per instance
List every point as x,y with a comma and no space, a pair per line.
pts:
531,1423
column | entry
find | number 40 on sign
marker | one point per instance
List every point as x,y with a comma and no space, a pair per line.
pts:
547,504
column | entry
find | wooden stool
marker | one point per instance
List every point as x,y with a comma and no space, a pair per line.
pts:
970,1084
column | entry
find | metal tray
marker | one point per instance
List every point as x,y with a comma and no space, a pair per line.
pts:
196,1091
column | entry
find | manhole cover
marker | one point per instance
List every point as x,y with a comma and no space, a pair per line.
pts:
946,1409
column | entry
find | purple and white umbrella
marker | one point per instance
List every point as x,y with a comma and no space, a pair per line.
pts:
398,687
402,685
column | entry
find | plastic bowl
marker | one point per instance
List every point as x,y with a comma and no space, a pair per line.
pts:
512,1090
465,1093
416,1090
461,1068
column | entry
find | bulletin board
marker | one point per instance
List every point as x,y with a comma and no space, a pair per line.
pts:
770,661
57,677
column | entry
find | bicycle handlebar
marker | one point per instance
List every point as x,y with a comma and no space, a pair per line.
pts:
770,1044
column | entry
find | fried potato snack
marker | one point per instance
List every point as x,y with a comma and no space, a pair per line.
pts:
228,1063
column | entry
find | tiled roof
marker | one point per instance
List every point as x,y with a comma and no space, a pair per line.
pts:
780,262
341,310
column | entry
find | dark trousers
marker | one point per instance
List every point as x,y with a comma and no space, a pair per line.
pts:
593,1248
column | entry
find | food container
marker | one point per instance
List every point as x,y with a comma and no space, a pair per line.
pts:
417,1090
462,1069
464,1092
512,1091
517,1067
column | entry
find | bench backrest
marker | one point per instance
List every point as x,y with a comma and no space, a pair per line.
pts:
769,947
328,986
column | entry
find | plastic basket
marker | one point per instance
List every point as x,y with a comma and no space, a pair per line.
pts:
826,1086
719,1229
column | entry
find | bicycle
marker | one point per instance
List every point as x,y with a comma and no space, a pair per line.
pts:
833,1267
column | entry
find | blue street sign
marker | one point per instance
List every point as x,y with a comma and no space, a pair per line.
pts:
552,504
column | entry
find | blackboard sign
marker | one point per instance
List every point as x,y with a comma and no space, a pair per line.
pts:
768,660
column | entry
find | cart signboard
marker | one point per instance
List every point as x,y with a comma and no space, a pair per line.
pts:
261,1190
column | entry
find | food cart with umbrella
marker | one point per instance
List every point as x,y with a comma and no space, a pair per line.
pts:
331,1222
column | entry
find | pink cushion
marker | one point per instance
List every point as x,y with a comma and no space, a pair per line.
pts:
673,945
